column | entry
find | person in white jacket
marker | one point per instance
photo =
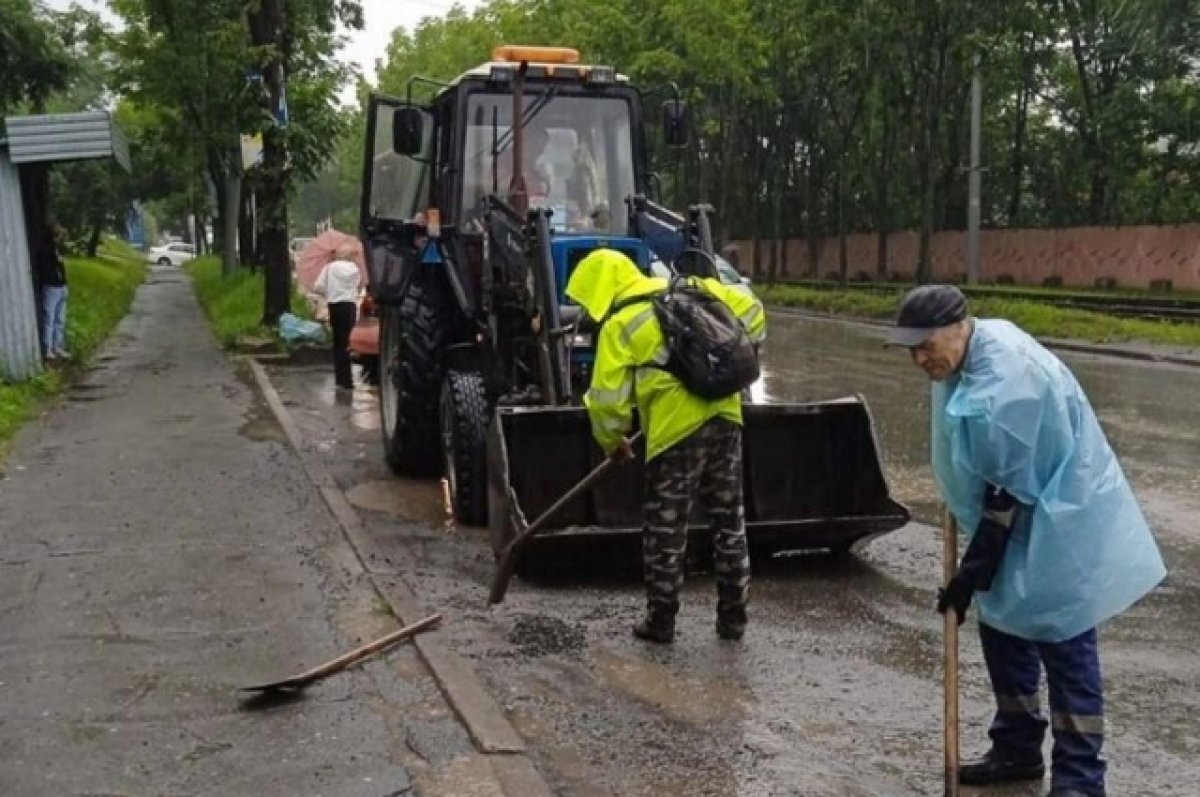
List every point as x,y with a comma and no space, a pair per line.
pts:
339,283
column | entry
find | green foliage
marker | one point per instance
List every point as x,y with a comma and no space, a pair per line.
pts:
234,304
101,292
1038,319
19,401
818,119
33,61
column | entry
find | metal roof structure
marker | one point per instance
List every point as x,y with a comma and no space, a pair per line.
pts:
20,355
32,140
65,137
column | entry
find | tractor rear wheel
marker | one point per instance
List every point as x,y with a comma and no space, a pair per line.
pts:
413,339
464,423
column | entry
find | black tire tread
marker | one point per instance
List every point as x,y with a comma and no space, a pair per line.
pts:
426,329
469,402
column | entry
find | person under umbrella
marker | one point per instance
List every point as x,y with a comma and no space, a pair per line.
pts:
339,282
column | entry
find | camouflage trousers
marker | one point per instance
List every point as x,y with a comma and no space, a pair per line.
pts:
707,466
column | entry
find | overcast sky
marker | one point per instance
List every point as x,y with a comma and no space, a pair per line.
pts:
364,46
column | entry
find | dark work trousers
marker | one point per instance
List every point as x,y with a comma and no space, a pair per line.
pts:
1076,704
342,316
705,465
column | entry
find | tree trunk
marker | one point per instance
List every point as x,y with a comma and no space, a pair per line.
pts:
247,228
267,26
924,267
928,187
230,213
1016,167
840,212
883,177
93,244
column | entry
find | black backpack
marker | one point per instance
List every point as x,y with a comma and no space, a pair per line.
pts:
709,350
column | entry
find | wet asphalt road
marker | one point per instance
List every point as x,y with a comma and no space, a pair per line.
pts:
836,690
160,547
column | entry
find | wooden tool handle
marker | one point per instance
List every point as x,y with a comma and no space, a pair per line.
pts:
949,566
347,659
508,557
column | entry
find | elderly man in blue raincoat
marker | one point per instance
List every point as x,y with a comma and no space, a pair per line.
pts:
1058,544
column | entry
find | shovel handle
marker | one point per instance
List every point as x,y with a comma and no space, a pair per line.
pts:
345,660
949,566
508,557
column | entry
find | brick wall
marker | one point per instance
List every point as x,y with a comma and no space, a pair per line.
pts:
1133,256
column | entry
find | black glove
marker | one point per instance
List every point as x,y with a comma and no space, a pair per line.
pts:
979,564
957,595
984,554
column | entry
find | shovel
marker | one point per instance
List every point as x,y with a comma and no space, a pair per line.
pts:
949,565
298,682
525,531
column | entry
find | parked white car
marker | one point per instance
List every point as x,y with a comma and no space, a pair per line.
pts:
175,254
725,272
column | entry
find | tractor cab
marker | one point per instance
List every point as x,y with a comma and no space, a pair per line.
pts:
480,197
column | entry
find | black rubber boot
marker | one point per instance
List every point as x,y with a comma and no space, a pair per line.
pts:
731,613
731,623
997,767
652,629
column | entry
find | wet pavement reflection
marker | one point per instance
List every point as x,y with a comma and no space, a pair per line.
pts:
836,689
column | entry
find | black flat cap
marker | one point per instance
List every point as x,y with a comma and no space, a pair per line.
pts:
925,310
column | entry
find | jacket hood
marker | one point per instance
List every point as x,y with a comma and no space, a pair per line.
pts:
604,276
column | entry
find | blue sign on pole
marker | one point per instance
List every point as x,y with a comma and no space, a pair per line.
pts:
135,228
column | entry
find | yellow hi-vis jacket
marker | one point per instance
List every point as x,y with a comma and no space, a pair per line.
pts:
631,344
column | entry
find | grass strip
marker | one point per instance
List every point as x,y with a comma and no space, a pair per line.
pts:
101,291
1036,318
234,304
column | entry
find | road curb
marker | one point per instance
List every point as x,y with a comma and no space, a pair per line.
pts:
463,689
1099,349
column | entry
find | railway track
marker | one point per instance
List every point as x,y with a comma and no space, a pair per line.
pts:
1172,308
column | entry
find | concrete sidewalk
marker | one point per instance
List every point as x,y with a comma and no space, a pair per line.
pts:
160,546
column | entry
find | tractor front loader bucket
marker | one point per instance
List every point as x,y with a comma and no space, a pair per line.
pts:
812,480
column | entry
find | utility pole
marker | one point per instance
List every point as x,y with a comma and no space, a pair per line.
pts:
974,180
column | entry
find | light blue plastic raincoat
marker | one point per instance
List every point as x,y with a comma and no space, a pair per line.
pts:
1080,552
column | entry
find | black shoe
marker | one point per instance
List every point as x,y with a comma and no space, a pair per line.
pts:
995,767
653,631
730,630
1067,793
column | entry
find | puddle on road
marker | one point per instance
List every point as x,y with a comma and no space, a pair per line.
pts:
364,411
688,698
404,498
362,403
260,425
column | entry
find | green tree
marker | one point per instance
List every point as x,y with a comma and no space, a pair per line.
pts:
33,61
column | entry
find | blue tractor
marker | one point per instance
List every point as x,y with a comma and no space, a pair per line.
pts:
477,204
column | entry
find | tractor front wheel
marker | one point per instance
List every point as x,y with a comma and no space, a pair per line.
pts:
464,423
413,340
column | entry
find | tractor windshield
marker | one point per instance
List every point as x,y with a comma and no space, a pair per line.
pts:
578,158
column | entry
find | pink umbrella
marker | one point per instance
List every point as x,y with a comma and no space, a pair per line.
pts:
321,251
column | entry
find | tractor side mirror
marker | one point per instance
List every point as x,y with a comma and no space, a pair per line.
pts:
407,131
676,123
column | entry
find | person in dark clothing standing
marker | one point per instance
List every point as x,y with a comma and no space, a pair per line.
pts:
52,273
339,283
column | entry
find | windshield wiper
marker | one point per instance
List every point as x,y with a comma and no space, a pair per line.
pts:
533,110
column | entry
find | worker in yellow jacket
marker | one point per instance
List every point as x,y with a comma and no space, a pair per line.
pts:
693,445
